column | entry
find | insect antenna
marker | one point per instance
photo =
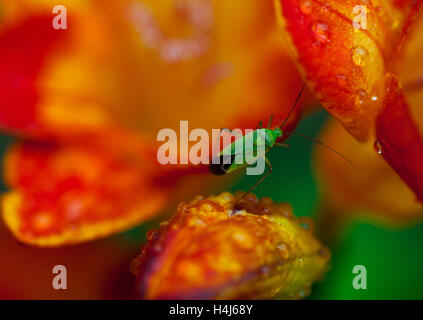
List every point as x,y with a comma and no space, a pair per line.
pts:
293,107
321,143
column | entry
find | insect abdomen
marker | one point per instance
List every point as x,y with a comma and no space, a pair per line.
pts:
219,169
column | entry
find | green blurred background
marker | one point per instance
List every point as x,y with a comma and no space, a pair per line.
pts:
393,257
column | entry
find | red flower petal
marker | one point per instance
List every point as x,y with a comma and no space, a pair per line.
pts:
399,139
23,50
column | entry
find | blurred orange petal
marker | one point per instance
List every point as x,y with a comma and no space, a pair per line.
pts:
370,185
226,248
63,195
409,65
24,50
95,271
212,70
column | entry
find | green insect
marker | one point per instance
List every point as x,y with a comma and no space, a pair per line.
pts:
224,163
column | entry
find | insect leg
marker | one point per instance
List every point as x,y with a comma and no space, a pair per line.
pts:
269,124
262,178
321,143
282,145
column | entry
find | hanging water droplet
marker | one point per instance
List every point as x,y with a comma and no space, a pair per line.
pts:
306,7
359,55
283,251
377,146
362,92
325,7
321,32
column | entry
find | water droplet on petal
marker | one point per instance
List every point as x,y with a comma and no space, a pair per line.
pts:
283,251
198,198
321,32
377,146
359,55
375,98
325,7
306,7
361,95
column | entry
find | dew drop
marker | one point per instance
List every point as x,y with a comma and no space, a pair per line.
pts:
306,7
377,146
283,251
325,7
359,55
196,222
375,98
198,198
361,95
321,32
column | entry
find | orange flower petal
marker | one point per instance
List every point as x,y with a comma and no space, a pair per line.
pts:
226,248
118,76
64,195
345,66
